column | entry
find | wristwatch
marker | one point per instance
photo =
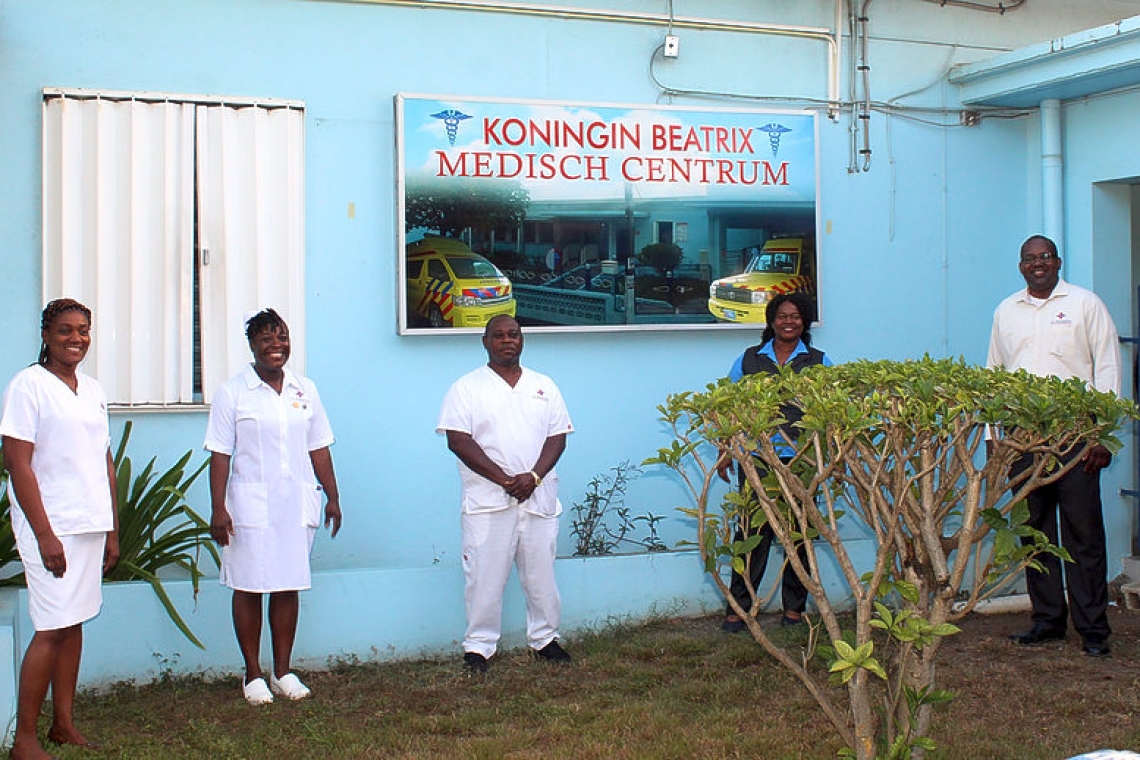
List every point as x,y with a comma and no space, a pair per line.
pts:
537,479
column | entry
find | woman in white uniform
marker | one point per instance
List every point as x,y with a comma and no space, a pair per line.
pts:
270,463
62,490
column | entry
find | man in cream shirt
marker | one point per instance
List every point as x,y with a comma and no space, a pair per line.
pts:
1056,328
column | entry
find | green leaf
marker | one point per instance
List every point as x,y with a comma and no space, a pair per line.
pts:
157,528
171,610
843,649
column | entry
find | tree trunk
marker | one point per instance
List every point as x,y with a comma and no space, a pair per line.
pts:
863,715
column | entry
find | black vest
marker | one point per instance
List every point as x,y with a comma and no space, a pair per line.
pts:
756,363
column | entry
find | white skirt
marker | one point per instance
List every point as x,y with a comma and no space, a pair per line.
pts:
55,603
264,560
274,527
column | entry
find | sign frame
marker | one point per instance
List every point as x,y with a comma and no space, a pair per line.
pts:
577,205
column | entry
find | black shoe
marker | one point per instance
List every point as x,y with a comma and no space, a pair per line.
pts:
732,626
789,621
1096,646
475,662
552,652
1038,634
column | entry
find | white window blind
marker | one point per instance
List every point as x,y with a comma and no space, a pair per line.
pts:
173,221
251,227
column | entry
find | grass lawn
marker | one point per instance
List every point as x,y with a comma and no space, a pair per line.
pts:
667,689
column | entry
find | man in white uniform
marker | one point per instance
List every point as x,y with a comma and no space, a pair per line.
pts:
1055,328
508,426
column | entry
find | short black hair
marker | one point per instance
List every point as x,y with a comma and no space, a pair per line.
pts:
492,320
53,310
803,306
1047,241
266,319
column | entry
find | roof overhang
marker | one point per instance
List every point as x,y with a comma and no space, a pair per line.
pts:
1081,64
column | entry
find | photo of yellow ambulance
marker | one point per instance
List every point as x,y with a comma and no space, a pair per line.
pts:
781,265
449,285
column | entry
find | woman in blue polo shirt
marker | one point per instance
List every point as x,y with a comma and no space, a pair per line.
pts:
786,342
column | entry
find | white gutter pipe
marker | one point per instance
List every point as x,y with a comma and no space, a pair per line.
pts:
1052,173
828,36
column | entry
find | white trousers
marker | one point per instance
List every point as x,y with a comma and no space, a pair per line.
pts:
492,542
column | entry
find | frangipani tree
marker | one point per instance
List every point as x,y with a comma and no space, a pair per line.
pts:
900,448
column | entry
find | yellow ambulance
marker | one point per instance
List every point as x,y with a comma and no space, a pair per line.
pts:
449,285
782,265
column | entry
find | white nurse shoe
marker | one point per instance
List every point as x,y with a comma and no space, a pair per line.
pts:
289,686
256,692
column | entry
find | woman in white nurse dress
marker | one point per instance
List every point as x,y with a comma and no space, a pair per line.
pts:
62,488
269,440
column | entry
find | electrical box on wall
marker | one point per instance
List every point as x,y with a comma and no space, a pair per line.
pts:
672,45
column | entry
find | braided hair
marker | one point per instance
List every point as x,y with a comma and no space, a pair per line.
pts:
803,306
50,312
266,319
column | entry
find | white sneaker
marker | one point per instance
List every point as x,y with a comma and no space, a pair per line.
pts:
289,686
256,692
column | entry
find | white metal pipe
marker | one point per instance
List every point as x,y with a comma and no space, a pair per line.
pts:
852,91
822,34
1000,604
865,78
1052,173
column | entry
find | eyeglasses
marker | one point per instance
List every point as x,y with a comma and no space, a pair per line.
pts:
1043,258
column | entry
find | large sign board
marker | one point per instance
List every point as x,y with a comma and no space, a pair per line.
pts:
599,216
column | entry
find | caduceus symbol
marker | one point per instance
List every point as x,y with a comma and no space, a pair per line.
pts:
774,132
451,119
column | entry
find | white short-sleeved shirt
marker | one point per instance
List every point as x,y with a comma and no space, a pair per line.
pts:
272,495
1068,334
510,425
71,437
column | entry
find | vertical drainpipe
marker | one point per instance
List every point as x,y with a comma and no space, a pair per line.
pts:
1052,173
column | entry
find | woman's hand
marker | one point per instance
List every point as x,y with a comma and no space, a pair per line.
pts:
724,465
333,515
221,527
51,552
111,550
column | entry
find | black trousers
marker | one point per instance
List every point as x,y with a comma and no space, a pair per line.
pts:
793,594
1073,505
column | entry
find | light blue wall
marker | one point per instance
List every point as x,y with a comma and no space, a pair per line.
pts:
1102,169
914,254
364,615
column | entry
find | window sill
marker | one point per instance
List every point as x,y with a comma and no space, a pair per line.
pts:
133,409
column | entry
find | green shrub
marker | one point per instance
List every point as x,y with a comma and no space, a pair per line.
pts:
897,448
662,256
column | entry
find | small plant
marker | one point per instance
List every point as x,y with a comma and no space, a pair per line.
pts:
157,528
662,256
166,665
605,496
8,552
